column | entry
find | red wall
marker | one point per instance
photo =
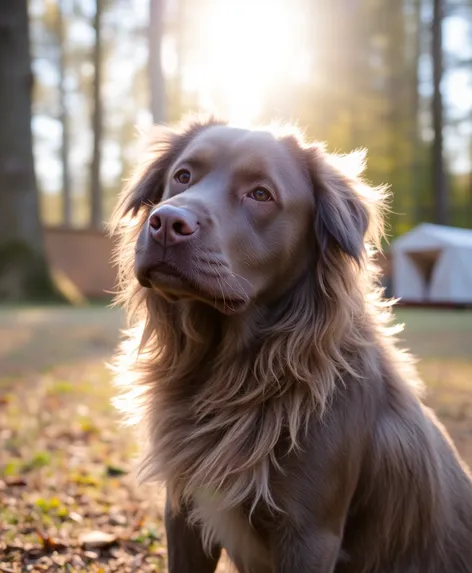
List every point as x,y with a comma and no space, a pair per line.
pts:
84,256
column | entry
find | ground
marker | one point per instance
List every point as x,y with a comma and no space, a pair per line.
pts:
68,499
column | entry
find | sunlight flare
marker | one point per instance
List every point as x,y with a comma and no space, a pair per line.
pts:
247,51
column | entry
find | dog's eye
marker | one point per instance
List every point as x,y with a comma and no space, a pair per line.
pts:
183,176
260,194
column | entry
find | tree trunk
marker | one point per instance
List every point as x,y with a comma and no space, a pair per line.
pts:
180,48
23,268
396,74
415,111
63,118
439,177
96,210
156,77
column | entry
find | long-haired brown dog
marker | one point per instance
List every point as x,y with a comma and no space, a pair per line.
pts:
275,406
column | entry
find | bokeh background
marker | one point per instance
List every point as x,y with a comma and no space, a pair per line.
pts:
81,81
353,73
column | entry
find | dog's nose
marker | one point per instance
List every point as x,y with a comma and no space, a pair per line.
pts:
170,225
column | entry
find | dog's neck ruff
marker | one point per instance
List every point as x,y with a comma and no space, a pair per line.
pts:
215,395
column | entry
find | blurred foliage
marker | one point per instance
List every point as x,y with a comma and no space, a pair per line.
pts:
368,86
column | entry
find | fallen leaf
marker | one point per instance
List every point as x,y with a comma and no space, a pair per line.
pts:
74,516
16,481
27,530
92,555
137,562
77,561
35,553
48,543
114,471
115,552
13,547
117,519
97,539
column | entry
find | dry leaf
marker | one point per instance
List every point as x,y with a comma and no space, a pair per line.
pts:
115,471
48,543
16,481
74,516
92,555
117,519
97,539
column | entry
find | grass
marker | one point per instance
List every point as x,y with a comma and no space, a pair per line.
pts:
69,501
442,342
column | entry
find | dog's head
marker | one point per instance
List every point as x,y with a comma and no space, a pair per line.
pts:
231,216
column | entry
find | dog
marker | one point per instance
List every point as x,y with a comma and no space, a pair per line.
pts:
261,365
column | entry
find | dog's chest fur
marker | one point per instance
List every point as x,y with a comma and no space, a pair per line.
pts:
232,529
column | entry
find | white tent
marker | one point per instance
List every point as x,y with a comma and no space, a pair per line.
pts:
433,263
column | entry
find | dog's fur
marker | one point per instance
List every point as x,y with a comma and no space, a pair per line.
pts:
290,432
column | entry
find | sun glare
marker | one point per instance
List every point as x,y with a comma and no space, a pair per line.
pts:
247,49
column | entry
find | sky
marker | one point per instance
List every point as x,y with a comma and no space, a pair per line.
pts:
458,94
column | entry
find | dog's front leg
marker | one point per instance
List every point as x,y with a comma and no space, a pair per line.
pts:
306,552
184,545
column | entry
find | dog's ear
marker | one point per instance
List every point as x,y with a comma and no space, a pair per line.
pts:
146,185
346,209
